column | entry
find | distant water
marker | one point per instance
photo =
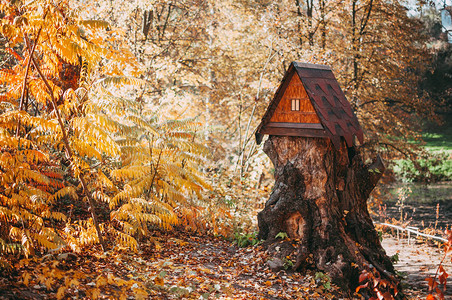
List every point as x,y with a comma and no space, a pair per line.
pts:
420,204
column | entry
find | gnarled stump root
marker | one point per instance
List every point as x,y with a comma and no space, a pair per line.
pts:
320,199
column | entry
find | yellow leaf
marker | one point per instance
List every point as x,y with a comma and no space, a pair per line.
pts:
158,247
123,296
49,283
158,281
140,293
26,277
119,281
60,293
101,280
111,278
95,292
74,282
179,242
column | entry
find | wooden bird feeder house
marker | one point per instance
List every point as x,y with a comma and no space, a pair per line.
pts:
310,103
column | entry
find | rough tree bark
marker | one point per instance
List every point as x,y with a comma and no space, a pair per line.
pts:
320,200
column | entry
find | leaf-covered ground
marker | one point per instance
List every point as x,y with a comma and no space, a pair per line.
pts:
175,265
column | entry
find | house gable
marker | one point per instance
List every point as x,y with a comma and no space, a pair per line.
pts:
295,105
323,109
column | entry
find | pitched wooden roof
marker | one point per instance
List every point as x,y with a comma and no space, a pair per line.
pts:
333,109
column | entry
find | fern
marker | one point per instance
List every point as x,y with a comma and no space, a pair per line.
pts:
125,240
157,168
10,248
23,203
96,24
64,192
31,144
78,135
119,80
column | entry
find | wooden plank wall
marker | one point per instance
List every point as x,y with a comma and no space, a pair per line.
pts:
283,112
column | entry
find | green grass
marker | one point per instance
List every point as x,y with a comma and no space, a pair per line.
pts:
439,138
438,167
437,142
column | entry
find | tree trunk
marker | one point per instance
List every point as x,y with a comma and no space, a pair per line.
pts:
319,201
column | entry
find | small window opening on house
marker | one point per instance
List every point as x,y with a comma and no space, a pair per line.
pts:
295,104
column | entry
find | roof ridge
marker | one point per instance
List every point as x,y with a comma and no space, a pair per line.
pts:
311,66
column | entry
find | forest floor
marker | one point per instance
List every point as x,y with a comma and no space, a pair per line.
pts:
174,266
179,265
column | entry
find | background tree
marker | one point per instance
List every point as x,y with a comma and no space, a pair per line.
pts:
221,62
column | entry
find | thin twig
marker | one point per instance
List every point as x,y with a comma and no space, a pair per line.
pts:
24,84
67,146
155,169
246,138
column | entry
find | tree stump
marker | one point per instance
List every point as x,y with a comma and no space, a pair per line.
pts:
320,200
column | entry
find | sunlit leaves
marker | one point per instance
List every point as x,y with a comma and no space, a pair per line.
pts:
67,191
98,24
71,127
25,201
35,136
119,80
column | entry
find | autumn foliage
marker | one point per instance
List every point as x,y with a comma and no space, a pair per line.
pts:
69,142
111,116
